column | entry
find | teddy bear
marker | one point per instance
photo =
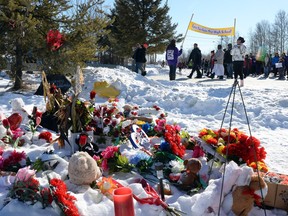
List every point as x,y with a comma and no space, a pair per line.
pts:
189,178
244,197
83,169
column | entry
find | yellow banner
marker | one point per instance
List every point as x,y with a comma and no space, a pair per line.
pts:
211,31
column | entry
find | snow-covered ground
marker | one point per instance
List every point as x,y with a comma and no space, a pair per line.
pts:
193,104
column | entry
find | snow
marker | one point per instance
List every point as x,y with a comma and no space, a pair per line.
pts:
192,103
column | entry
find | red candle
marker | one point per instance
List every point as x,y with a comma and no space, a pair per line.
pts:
123,202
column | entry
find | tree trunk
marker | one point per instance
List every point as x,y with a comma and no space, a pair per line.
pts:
18,75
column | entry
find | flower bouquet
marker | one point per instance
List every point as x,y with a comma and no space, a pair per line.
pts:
112,161
237,146
26,188
172,147
106,121
12,160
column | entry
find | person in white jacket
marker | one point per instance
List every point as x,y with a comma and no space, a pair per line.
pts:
238,54
218,68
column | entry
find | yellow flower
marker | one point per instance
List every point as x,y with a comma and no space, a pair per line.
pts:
220,149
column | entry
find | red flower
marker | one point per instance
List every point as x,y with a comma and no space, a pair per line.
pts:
156,107
92,95
63,199
46,135
162,115
46,195
83,139
6,123
107,121
54,39
53,88
172,137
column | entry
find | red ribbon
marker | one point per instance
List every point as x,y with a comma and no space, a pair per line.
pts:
154,198
251,192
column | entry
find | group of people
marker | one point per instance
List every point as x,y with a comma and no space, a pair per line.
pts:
233,57
222,62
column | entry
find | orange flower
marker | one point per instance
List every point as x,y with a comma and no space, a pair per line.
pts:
107,186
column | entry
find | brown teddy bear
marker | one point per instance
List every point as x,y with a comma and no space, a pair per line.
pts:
244,197
189,178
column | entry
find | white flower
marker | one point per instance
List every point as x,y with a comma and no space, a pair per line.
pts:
177,166
106,130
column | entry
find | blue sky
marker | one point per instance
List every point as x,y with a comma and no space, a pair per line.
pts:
220,13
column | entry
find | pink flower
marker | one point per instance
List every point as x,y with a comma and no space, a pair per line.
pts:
38,120
24,174
177,128
96,158
104,165
109,152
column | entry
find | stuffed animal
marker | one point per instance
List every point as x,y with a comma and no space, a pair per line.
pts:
83,169
189,178
244,197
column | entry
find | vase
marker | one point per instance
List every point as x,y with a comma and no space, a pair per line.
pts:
73,145
102,141
123,202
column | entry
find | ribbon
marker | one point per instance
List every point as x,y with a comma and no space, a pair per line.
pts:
251,192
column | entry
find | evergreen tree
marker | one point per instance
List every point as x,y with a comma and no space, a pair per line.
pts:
141,21
25,24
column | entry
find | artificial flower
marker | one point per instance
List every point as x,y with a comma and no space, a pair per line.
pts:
46,135
109,152
83,140
107,186
24,174
92,94
6,123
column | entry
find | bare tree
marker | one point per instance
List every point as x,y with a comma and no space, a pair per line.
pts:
280,29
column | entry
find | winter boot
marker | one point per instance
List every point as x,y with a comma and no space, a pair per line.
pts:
241,83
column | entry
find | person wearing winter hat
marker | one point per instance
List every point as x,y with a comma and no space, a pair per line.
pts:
172,54
238,55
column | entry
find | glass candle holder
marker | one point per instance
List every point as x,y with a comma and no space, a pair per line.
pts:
123,202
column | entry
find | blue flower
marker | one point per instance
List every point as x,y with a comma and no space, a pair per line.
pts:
146,127
165,146
138,157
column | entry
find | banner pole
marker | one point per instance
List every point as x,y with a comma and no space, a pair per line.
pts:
187,30
234,31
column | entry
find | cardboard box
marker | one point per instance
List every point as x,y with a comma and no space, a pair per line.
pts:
277,196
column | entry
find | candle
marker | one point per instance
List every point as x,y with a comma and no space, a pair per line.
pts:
123,202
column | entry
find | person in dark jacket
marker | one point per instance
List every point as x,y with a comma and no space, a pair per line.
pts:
196,57
172,54
140,59
228,61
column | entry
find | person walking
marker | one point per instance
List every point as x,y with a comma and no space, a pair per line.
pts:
196,58
238,54
228,61
172,54
140,59
218,68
